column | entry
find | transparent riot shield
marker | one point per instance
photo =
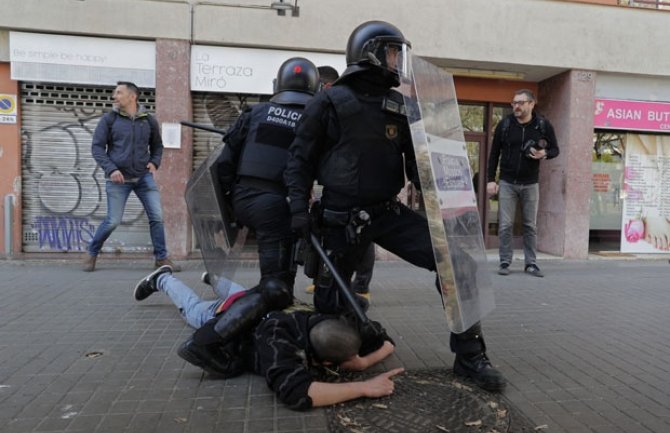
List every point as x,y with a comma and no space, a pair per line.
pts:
448,194
218,237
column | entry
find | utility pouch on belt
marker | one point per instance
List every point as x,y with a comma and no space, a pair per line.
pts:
335,218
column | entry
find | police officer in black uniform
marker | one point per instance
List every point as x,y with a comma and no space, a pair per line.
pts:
250,170
355,140
252,164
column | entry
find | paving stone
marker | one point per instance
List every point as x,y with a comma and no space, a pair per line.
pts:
584,349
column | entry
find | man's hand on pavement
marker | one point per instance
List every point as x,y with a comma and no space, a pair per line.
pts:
382,385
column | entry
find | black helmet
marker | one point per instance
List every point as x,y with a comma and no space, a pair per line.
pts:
368,45
297,81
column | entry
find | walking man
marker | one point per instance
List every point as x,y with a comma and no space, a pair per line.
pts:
127,145
520,142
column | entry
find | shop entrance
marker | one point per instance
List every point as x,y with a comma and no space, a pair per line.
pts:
479,121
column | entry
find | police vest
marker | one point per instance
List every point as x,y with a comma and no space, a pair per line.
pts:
271,132
366,163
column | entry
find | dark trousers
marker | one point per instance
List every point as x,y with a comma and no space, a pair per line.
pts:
268,214
364,270
405,234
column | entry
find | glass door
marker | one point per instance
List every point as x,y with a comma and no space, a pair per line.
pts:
497,113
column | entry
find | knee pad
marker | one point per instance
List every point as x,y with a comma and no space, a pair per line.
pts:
275,294
242,316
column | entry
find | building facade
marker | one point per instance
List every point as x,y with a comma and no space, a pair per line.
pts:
203,60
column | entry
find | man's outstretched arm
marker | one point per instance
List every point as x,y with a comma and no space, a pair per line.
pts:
326,394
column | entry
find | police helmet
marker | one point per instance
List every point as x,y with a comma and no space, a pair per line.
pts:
369,45
297,81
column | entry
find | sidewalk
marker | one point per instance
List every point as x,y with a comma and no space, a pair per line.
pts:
584,349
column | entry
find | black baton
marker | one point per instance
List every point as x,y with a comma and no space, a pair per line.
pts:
204,127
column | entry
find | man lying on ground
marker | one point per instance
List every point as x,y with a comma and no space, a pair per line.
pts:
286,347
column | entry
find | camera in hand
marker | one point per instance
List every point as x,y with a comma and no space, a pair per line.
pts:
532,144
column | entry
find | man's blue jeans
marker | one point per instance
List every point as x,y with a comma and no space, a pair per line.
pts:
192,308
508,196
117,195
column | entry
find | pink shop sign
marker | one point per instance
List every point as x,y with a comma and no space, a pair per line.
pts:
632,115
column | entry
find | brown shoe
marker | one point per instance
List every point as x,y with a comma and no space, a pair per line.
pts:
166,261
89,263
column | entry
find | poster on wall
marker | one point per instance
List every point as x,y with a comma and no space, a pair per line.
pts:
645,226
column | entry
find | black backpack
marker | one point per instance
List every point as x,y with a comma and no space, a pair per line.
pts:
506,123
115,115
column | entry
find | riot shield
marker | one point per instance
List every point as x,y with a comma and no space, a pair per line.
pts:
218,237
448,194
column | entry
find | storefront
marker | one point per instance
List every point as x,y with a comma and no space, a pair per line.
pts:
226,80
630,204
66,85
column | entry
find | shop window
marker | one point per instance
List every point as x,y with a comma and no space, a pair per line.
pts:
472,117
607,170
649,4
499,112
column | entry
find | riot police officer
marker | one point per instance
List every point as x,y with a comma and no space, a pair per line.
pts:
253,161
250,170
355,140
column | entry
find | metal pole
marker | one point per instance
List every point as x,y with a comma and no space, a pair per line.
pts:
9,224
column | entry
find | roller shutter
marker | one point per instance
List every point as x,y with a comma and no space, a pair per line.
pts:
218,110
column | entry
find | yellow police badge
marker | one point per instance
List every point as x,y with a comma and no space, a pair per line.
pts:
391,131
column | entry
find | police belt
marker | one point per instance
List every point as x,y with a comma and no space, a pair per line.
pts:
262,184
341,218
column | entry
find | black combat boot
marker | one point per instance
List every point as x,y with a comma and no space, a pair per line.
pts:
478,368
471,361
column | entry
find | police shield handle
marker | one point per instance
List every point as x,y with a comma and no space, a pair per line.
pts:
344,289
492,189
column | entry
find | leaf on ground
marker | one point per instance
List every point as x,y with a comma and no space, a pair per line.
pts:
541,427
473,423
461,386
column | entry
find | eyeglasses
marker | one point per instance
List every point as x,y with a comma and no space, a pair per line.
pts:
515,103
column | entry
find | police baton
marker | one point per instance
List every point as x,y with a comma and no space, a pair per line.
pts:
344,289
203,127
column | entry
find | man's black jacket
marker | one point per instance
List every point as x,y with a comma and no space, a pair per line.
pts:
507,149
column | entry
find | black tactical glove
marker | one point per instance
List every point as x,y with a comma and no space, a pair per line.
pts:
373,336
300,224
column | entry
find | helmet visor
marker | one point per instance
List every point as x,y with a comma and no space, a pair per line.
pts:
403,62
389,54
